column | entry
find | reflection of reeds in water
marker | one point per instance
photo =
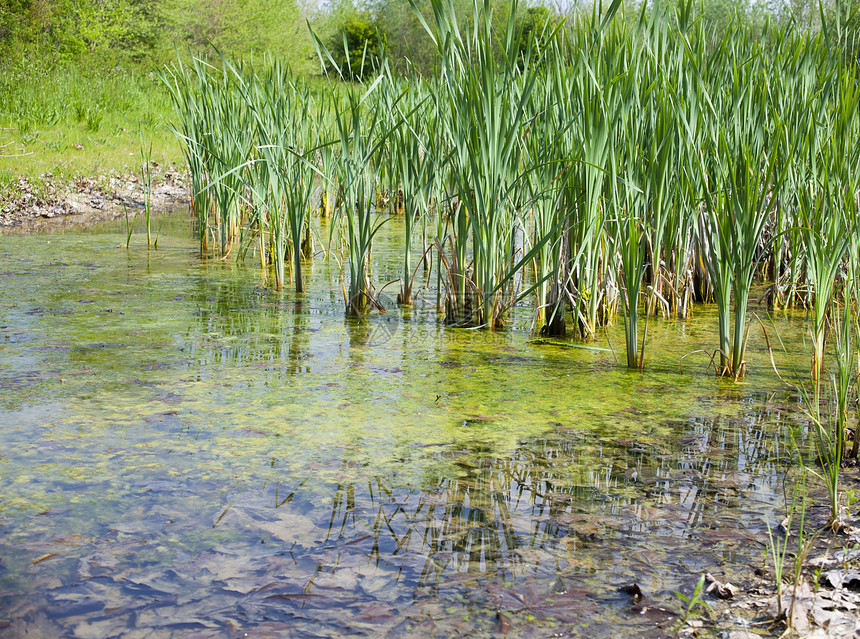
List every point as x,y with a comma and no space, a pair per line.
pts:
239,324
511,515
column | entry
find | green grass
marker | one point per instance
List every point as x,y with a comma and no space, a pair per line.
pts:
71,122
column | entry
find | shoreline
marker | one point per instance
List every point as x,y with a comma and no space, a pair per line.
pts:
52,204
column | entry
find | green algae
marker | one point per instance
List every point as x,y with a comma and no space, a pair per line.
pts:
174,427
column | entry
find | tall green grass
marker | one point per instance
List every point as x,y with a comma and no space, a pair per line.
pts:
70,121
617,165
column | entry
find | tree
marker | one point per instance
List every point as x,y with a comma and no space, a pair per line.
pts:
357,45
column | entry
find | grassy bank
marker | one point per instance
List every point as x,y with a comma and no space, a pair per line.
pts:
70,121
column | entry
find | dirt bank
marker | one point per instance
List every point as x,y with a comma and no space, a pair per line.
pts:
49,203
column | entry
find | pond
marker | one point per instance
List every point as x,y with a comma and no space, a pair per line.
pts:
186,452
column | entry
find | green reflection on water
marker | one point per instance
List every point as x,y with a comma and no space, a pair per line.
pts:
173,428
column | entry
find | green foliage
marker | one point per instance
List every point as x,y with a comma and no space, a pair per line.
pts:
69,120
107,32
694,602
65,29
357,45
147,30
11,26
240,27
536,23
719,15
407,43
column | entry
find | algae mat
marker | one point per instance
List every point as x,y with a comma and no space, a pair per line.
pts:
186,452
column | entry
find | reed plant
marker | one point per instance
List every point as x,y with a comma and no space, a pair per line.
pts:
852,299
584,190
412,168
183,82
829,444
543,176
738,182
620,165
676,142
146,185
826,229
228,140
825,237
487,87
844,377
285,127
632,197
358,141
855,328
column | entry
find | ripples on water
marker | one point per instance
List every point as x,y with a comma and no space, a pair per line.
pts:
188,453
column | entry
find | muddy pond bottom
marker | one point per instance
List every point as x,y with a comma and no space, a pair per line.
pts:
185,452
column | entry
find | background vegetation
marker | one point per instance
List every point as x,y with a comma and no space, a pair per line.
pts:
77,88
95,32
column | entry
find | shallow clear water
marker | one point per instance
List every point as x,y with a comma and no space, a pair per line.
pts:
185,452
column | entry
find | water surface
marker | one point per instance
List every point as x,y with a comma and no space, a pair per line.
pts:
186,452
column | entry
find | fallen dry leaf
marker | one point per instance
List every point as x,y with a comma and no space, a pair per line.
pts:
719,589
842,578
